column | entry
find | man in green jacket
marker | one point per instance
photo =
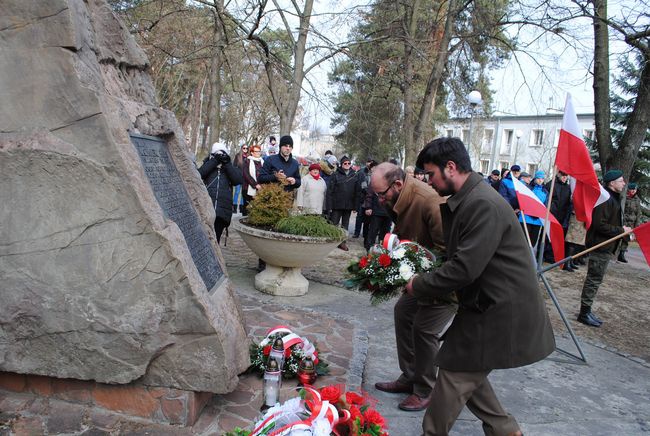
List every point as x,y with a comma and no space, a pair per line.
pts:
631,216
606,222
502,320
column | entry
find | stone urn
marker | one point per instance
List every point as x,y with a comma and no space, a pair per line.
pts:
284,255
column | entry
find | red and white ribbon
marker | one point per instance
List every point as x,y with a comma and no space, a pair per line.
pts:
290,339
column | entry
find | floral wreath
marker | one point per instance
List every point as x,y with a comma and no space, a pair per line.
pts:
330,410
296,348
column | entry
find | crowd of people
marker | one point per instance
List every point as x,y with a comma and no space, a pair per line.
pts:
466,294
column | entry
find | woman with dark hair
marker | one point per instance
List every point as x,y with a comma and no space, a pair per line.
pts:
238,199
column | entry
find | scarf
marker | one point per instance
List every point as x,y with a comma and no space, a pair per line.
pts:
316,177
252,171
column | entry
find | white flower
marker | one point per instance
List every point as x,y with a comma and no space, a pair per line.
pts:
399,253
405,271
425,263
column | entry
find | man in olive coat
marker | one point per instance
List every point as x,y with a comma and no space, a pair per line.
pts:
415,209
502,320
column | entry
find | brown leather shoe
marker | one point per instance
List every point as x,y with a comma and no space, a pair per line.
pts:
414,403
343,246
394,387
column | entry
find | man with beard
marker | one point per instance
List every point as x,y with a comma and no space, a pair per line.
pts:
501,320
415,209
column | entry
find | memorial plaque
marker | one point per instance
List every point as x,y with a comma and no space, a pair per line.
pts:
175,202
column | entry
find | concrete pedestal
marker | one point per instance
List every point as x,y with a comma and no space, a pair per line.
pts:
285,281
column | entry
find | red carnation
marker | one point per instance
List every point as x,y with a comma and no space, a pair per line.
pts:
353,398
287,352
331,394
373,417
384,260
354,414
363,262
266,350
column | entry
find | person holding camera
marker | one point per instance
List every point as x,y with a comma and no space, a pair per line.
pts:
219,176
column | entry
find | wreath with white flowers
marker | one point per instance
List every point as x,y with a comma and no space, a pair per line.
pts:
296,348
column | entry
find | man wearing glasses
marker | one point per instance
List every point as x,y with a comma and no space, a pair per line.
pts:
282,168
415,209
343,192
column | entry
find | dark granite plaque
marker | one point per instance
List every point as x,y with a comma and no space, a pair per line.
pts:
176,204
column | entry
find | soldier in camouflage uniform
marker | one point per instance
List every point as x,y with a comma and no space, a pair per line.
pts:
631,217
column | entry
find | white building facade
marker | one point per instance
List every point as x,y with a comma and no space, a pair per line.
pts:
502,141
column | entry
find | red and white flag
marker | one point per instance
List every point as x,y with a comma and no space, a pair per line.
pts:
573,158
642,235
530,205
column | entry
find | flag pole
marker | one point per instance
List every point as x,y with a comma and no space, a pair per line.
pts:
549,200
588,250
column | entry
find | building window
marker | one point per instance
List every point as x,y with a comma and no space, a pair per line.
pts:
450,133
506,143
488,137
532,168
505,164
589,134
465,136
485,166
537,136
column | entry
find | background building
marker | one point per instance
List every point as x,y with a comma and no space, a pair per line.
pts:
501,141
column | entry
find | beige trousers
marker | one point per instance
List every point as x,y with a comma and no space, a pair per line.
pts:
454,390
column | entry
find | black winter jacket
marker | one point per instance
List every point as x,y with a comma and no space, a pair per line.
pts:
219,178
561,204
343,190
606,222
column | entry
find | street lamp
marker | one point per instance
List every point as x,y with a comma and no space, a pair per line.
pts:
518,134
474,99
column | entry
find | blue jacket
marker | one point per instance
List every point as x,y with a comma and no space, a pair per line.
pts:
275,163
507,191
541,193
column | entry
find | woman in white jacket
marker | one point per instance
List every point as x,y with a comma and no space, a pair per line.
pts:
311,194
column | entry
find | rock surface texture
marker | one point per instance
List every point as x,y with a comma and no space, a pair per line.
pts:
96,281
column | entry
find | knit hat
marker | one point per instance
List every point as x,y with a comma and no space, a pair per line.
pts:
314,166
494,172
540,174
286,140
631,185
612,175
524,174
345,159
219,146
515,168
331,159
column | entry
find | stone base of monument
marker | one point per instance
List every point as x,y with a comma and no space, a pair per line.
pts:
157,404
277,280
284,255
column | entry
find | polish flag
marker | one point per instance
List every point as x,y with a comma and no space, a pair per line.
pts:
532,206
573,158
642,234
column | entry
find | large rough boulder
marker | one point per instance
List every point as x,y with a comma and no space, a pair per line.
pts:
97,282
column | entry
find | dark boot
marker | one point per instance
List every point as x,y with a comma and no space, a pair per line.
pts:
567,267
587,318
574,266
580,261
621,256
343,246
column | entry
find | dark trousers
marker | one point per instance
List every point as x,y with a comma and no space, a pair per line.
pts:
219,225
596,270
362,221
379,226
418,328
455,390
342,215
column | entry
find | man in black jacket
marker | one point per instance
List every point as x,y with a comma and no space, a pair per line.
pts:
343,192
561,208
606,222
282,168
219,176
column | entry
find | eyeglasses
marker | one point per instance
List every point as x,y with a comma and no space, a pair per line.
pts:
383,193
346,163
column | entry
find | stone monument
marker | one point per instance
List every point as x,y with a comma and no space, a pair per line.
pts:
109,267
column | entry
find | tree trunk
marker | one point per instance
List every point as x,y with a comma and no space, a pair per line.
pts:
215,77
410,26
637,126
441,50
602,115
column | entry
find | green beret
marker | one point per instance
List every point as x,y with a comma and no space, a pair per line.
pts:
612,175
631,185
